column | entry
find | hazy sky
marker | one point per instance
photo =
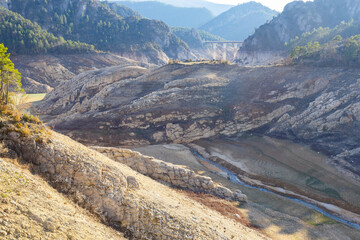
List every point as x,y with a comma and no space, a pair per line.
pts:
273,4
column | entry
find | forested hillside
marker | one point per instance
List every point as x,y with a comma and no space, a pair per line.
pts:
21,36
194,37
328,47
95,23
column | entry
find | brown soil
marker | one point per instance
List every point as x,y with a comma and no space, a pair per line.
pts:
31,209
226,208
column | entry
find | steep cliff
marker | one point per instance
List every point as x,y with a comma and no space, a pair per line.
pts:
182,103
298,17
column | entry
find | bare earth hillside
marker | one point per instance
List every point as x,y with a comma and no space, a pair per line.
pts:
183,103
41,73
136,205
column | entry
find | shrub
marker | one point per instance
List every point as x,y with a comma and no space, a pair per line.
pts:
25,131
31,119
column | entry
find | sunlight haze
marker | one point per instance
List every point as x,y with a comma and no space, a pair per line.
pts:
273,4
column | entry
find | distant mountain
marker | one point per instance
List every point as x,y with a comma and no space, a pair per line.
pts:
194,37
240,22
173,16
121,10
215,8
95,23
21,36
298,17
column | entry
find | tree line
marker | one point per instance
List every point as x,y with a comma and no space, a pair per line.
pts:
22,36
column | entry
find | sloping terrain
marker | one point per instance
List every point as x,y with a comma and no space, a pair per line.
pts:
31,209
85,21
182,103
21,36
42,73
171,15
240,21
139,207
298,17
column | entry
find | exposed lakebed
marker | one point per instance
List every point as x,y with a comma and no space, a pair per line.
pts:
280,165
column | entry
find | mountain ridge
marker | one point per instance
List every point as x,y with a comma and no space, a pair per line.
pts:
171,15
85,20
268,41
240,21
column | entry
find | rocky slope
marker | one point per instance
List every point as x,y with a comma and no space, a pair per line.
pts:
175,175
240,21
139,207
42,73
85,21
182,103
298,17
31,209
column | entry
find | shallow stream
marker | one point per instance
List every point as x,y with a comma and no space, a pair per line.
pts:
233,178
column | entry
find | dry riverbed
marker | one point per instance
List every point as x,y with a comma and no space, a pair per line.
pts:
278,216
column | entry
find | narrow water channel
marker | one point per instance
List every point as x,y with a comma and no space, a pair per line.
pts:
233,178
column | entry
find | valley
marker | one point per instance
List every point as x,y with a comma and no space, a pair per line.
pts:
275,205
179,120
246,146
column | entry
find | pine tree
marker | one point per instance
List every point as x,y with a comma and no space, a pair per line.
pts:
10,78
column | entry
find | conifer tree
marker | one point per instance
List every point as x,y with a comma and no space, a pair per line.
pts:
10,78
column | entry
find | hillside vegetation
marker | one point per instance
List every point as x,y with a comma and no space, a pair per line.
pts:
267,44
22,36
328,47
194,37
87,20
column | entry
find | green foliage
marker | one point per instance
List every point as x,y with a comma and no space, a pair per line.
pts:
24,37
352,49
30,118
194,37
308,50
93,22
328,47
10,78
325,35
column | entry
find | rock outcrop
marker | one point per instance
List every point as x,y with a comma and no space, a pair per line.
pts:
133,203
40,74
31,209
175,175
180,103
268,41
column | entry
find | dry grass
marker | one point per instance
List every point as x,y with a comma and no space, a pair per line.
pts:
225,208
25,124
